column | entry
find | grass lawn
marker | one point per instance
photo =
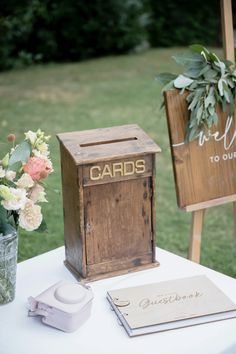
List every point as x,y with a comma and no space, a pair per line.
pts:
101,93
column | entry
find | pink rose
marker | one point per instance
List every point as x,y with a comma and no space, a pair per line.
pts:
38,168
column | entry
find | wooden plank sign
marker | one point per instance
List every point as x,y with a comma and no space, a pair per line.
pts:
204,169
108,179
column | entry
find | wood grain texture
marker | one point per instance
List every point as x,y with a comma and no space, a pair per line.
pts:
211,203
227,29
113,273
104,144
234,218
118,221
152,181
196,235
202,173
73,230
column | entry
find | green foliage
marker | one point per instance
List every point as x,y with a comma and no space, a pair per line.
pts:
176,23
20,154
3,218
35,31
68,30
6,225
210,81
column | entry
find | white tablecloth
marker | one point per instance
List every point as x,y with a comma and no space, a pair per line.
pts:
102,334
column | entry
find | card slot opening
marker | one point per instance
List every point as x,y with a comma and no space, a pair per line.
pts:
104,142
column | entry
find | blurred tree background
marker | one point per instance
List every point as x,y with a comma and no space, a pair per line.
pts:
40,31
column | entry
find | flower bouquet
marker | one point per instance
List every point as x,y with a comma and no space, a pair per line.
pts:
22,173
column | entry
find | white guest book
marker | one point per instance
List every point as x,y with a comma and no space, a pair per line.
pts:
170,304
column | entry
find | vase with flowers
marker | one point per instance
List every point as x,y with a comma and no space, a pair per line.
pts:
22,173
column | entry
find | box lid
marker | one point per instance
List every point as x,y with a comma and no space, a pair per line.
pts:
102,144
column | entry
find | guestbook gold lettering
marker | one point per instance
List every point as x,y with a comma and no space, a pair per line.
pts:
117,169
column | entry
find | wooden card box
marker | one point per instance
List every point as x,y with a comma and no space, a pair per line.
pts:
108,181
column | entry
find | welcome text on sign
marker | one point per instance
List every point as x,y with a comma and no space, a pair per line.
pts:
227,137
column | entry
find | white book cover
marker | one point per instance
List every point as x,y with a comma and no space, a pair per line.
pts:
170,304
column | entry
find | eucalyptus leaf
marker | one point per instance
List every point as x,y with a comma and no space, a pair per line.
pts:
231,103
162,104
168,86
226,91
21,153
195,100
220,87
190,97
230,83
211,110
15,166
198,48
194,73
224,105
210,74
226,95
214,58
182,81
227,63
215,119
189,59
205,69
193,133
221,66
192,122
216,68
210,99
7,229
217,96
199,113
165,78
3,213
4,226
193,86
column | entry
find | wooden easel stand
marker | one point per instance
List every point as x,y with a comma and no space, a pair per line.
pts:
198,210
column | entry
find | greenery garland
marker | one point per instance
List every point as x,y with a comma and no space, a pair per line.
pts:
211,82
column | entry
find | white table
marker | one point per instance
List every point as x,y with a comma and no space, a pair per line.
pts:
102,334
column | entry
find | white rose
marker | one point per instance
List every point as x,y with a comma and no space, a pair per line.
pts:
2,172
42,148
30,217
37,194
25,181
10,175
5,192
31,136
17,199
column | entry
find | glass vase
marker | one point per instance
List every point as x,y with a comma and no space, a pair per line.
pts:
8,264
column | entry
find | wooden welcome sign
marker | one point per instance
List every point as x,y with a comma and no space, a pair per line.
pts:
204,169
